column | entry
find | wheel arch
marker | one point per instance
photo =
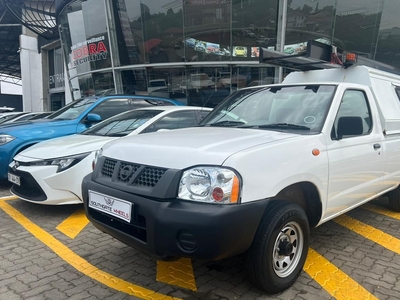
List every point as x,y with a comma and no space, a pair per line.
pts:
306,195
22,148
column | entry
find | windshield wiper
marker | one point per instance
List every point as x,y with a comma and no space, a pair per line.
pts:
92,133
116,134
227,123
283,125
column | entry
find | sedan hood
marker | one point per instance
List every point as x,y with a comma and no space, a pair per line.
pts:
180,149
64,146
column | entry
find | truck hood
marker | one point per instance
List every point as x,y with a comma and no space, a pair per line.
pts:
183,148
64,146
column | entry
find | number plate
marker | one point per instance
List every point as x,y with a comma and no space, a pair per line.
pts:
113,206
14,179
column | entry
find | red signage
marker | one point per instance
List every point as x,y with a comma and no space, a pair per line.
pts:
90,50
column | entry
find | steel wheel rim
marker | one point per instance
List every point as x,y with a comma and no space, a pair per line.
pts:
284,264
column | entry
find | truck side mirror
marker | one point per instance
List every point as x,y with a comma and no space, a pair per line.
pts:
349,126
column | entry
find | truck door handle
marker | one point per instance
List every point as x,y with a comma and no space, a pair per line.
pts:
377,146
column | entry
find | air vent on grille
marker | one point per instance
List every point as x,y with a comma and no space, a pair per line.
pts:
150,176
108,167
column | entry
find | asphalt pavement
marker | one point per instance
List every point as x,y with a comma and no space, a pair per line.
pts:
53,252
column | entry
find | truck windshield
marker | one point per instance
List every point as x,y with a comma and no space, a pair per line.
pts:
300,107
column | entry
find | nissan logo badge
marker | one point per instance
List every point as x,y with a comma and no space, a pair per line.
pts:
125,173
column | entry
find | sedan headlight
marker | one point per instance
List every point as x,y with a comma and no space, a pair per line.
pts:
210,184
5,138
63,163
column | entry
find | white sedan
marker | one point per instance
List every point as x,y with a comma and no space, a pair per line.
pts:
51,172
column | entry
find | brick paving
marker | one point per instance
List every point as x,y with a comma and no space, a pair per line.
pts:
31,270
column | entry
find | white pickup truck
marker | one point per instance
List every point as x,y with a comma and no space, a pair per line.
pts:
262,168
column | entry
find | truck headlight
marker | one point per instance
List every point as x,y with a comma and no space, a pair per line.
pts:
210,184
63,163
5,138
97,155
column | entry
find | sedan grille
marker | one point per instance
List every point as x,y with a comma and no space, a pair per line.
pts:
29,188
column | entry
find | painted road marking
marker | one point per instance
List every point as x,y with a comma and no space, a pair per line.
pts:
78,262
74,224
337,283
9,198
378,236
334,281
178,273
382,210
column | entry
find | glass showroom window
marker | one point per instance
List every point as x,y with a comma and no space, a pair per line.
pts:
207,30
148,31
357,29
95,84
253,26
389,35
84,35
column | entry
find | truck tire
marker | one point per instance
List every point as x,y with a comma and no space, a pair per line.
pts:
394,199
279,249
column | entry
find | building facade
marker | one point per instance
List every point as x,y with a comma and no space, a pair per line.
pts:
199,51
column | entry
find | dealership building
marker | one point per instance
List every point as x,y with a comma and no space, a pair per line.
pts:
196,51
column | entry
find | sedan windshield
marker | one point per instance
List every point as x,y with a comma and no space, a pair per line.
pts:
122,124
73,110
300,108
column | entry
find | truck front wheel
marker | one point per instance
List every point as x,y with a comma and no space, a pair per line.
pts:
279,249
394,199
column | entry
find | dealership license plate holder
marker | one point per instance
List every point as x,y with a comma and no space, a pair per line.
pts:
111,206
14,179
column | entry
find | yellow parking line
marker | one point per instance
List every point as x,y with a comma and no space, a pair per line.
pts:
337,283
6,198
178,273
369,232
382,210
74,224
78,262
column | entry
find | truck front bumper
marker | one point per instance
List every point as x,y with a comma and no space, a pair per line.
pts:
168,229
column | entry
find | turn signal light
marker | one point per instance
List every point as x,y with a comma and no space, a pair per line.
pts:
235,191
351,58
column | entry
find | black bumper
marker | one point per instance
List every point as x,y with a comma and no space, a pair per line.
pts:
175,228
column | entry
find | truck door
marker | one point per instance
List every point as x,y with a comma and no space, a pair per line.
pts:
355,153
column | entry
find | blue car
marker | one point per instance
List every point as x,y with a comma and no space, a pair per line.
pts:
73,118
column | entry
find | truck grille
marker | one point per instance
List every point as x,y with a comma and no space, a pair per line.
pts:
150,176
29,188
132,174
126,171
108,167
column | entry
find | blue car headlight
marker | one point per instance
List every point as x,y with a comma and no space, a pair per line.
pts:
63,163
5,138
